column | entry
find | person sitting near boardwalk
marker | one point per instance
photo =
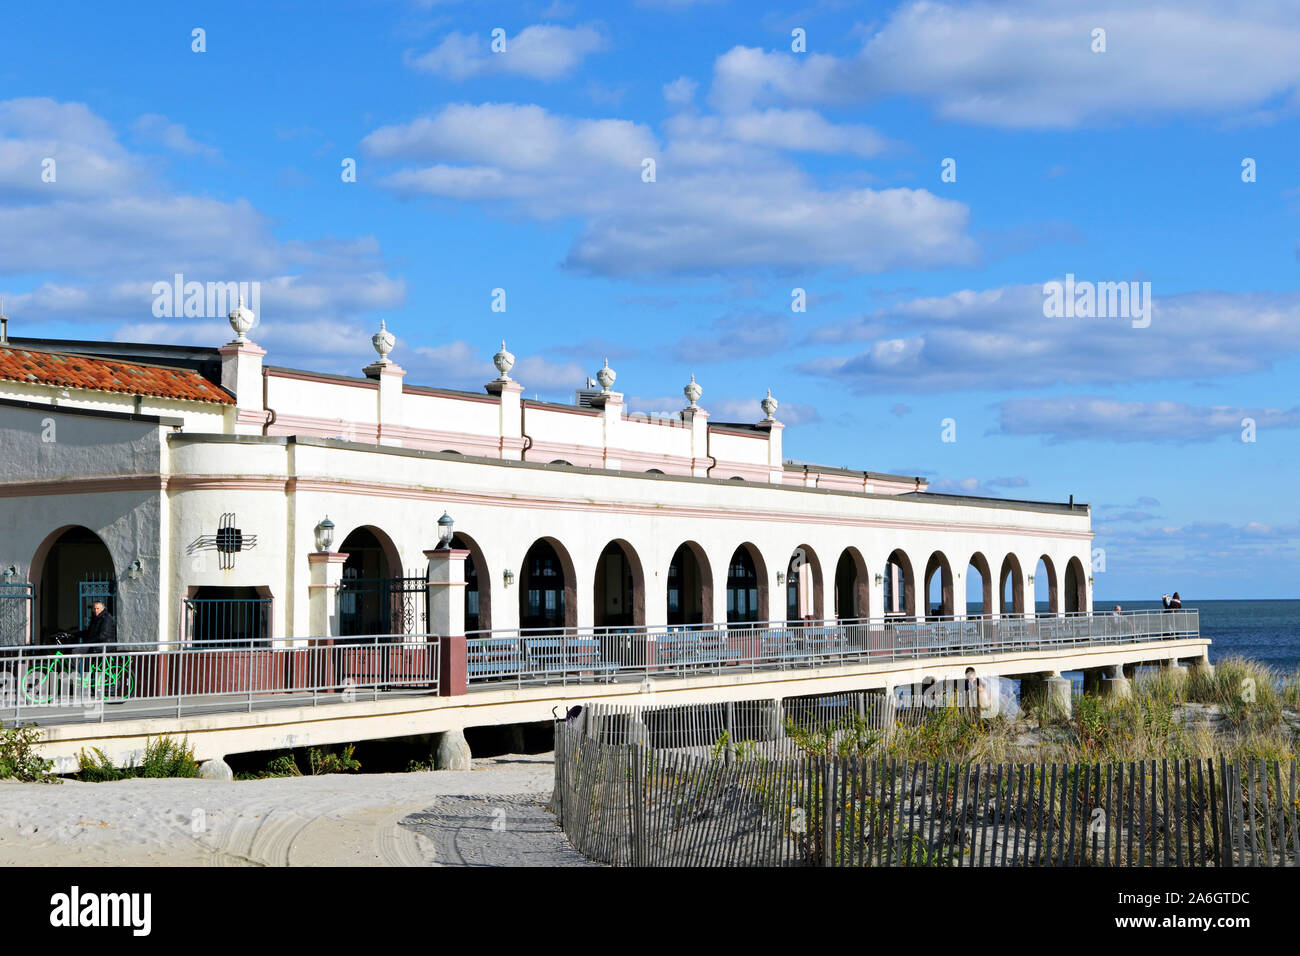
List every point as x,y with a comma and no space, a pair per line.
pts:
1174,603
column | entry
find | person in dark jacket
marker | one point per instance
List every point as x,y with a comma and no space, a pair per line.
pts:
102,629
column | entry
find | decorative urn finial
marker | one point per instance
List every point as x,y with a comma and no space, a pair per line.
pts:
693,392
504,361
383,341
241,320
606,376
769,405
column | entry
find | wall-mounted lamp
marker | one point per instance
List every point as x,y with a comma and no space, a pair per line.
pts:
1031,579
1090,580
508,576
445,526
780,578
135,570
11,572
880,579
325,535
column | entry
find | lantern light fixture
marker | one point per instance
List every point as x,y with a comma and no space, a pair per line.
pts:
445,531
135,570
11,572
880,579
780,578
508,576
325,535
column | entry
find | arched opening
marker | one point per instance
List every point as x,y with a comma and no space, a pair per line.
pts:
619,591
803,586
1076,587
852,587
938,588
370,591
478,584
1011,587
547,597
900,586
690,587
979,594
735,478
561,461
653,471
746,586
1046,599
75,571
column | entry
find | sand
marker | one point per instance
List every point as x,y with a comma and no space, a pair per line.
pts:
492,815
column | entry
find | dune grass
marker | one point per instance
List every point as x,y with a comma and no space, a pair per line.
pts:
1169,715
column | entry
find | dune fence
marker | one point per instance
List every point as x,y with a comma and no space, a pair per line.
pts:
721,785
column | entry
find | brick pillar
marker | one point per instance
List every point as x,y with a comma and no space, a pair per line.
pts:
446,587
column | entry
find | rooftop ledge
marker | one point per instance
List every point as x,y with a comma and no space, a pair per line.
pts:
1005,504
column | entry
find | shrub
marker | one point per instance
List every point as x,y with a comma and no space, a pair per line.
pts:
166,757
163,757
19,759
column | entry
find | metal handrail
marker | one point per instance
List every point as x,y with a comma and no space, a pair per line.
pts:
577,655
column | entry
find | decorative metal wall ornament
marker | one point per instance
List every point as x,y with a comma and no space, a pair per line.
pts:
227,542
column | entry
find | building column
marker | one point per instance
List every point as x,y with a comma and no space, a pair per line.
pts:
1202,666
1051,689
1120,688
510,419
446,588
1092,678
323,603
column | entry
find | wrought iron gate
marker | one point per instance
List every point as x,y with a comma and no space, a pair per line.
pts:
15,614
383,606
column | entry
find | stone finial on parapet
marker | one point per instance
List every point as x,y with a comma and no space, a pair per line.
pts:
769,406
504,361
693,393
241,319
605,377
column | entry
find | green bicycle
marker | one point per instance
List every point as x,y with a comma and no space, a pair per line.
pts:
104,677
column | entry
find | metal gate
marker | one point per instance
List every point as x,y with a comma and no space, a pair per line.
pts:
94,588
15,614
383,606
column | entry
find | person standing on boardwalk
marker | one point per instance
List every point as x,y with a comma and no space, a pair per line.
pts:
102,629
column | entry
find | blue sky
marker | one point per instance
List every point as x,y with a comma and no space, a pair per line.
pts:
774,170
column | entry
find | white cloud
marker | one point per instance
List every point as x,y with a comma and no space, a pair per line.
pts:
991,338
680,91
1024,63
156,128
110,226
1105,419
715,204
540,52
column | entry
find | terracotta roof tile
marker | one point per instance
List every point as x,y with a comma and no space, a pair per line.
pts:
107,375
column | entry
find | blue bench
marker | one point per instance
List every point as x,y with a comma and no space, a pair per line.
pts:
559,655
493,657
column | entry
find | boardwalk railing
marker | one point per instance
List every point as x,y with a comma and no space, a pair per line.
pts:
75,683
630,804
575,655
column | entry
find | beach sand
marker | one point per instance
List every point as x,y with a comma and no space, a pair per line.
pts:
492,815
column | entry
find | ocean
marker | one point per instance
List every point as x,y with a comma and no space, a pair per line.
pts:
1266,631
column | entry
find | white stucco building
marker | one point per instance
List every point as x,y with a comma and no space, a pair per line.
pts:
188,485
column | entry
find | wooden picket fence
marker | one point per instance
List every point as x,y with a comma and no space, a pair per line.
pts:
623,800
